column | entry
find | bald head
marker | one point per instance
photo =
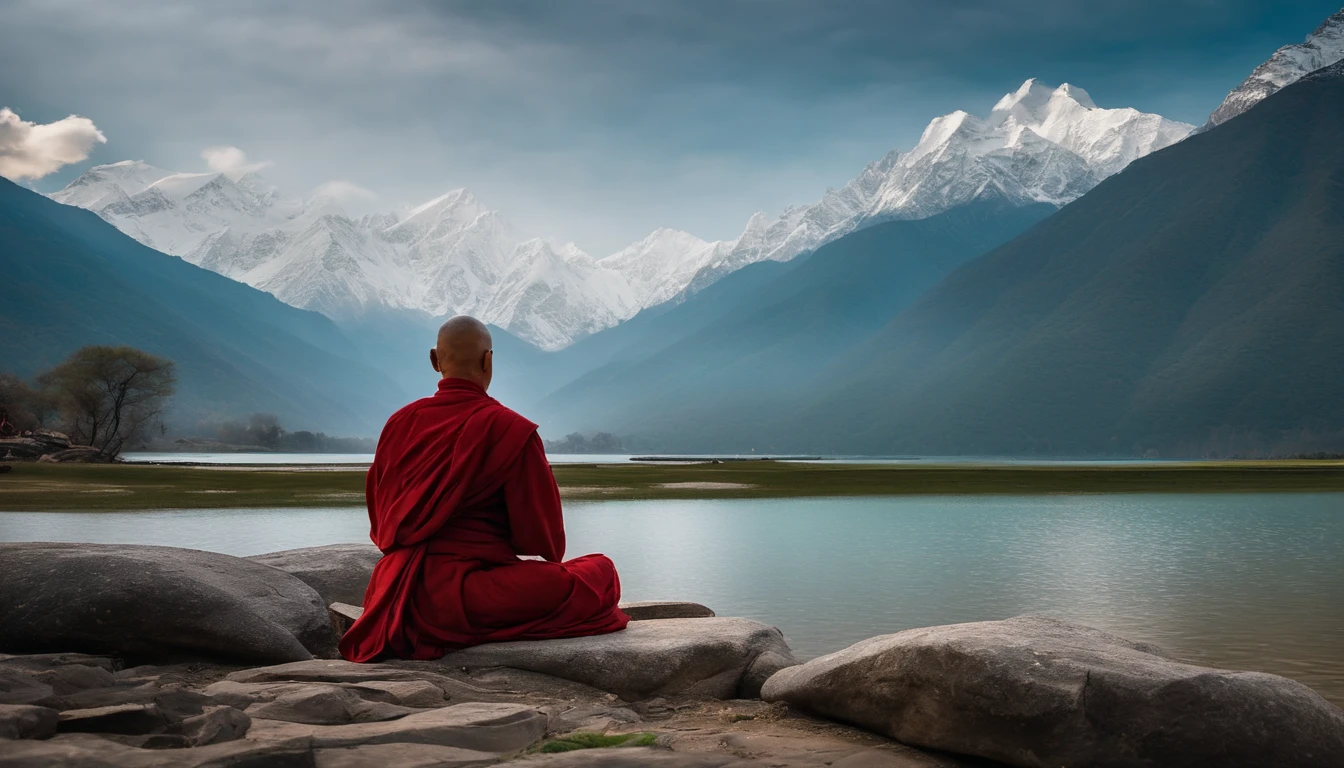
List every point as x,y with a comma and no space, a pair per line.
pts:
464,351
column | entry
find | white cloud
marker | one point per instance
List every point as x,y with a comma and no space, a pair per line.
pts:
343,191
31,151
230,160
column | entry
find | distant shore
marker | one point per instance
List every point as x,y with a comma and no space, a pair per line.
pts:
56,487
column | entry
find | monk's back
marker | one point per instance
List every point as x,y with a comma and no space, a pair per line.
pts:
459,490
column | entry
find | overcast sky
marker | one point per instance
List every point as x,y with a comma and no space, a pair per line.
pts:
592,120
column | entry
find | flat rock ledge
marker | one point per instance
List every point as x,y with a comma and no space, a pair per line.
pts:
1039,692
721,658
94,712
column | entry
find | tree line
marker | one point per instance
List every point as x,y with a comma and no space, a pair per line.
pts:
264,430
104,397
575,442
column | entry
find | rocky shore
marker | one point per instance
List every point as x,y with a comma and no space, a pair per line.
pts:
49,446
156,656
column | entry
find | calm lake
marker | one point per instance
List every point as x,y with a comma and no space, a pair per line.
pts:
1250,581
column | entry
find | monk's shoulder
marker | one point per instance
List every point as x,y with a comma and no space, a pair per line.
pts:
514,420
407,412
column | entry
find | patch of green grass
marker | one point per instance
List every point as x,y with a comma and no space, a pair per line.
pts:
582,740
40,487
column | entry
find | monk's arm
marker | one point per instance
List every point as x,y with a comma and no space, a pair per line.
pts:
533,500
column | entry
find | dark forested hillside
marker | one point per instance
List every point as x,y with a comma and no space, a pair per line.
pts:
747,350
1192,304
69,279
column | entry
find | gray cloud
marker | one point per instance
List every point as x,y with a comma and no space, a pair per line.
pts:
599,120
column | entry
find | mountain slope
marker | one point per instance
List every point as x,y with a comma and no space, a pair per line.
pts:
397,345
1289,64
1191,304
1038,145
72,279
742,367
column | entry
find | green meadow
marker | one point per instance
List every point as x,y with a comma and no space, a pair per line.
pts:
36,487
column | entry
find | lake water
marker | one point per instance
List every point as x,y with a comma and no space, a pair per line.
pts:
1250,581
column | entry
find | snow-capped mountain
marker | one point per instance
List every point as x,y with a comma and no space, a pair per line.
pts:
454,255
1038,144
449,255
1289,64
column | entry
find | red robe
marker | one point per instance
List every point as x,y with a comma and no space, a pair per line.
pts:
459,488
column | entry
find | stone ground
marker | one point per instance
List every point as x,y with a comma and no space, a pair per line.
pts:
79,710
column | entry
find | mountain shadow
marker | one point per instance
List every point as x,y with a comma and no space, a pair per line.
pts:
71,279
1191,305
751,343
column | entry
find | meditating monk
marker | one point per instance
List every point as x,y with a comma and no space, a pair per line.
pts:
459,490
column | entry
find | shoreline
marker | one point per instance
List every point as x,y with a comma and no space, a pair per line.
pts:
36,487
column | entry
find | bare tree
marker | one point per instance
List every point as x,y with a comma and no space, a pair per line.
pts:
21,407
110,396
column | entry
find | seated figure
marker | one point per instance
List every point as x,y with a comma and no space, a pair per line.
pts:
459,491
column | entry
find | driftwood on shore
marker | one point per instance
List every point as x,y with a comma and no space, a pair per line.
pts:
45,445
147,656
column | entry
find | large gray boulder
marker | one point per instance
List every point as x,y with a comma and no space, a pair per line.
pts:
140,600
720,658
25,721
340,572
1038,692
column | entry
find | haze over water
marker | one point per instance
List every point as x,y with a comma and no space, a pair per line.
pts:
1248,581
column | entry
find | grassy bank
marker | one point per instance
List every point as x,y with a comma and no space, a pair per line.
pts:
81,487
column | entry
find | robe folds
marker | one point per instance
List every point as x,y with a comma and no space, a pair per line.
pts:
458,490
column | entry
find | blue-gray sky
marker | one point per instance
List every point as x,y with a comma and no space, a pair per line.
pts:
598,120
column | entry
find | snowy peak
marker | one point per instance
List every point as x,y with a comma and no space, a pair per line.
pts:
116,180
1037,144
1028,103
658,267
1075,94
448,255
1289,64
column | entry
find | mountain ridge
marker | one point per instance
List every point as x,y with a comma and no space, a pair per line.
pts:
1287,65
453,255
1186,306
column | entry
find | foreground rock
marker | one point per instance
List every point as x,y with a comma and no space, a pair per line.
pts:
140,600
480,727
721,658
1041,692
435,716
24,721
340,572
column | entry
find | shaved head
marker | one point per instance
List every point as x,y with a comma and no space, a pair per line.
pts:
464,351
